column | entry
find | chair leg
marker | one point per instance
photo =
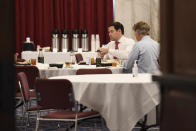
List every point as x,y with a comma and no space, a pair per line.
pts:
58,125
27,119
37,122
27,122
76,125
19,103
23,113
144,126
76,122
24,116
37,125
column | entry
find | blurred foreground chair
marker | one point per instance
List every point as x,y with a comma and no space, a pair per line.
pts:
32,72
58,94
25,92
93,71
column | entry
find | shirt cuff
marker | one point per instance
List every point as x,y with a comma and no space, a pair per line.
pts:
111,51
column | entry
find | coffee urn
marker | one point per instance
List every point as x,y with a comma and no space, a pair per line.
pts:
84,39
65,40
55,40
75,40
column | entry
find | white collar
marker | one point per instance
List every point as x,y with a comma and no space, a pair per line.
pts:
121,39
145,37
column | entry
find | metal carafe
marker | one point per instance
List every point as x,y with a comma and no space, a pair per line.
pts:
55,40
85,46
75,40
65,40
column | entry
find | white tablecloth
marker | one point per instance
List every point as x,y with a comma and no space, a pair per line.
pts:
52,57
120,98
46,72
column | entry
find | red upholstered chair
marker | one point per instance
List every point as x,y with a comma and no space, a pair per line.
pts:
25,92
32,72
58,94
79,57
93,71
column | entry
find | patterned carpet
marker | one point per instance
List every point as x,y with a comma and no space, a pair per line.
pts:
94,124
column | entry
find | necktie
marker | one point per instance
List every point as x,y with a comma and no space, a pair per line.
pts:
116,47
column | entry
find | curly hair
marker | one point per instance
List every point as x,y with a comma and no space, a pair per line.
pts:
142,28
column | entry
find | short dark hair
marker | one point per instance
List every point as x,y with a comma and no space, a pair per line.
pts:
117,26
142,28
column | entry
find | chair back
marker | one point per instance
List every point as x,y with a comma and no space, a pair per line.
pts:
54,93
23,85
32,72
78,57
93,71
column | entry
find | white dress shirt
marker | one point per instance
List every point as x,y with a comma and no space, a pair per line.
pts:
124,48
146,52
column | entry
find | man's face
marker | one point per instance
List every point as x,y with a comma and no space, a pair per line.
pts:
138,36
113,33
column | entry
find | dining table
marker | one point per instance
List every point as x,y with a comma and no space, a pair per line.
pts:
121,99
46,71
55,57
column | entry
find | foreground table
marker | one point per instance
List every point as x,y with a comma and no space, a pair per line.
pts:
120,98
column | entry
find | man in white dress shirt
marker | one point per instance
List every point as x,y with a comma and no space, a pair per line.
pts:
145,51
120,46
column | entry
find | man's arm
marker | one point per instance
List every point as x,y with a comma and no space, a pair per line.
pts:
104,51
128,65
121,54
124,50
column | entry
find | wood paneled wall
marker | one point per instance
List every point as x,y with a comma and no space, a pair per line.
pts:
178,33
178,64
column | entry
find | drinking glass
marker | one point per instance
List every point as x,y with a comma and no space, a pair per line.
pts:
114,63
92,61
67,64
33,61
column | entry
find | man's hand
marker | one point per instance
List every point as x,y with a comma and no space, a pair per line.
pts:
102,55
104,50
